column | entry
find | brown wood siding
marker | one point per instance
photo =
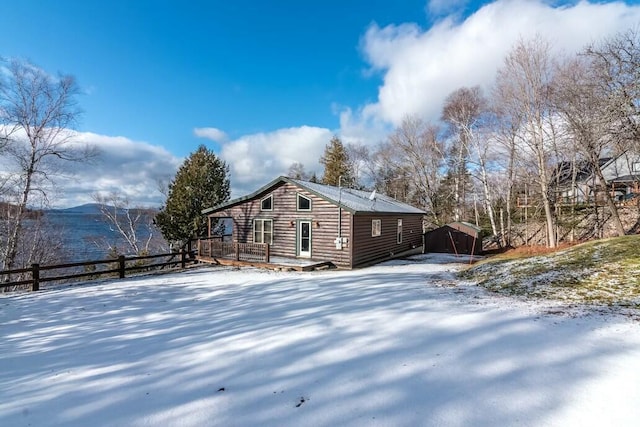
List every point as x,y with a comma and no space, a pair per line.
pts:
367,248
324,227
447,239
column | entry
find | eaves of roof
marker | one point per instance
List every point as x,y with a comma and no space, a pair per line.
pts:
352,201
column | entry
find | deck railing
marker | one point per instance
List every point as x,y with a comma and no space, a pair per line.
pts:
214,247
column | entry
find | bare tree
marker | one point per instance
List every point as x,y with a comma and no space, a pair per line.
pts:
37,112
526,79
460,111
616,72
506,129
133,224
390,173
358,156
466,111
583,107
419,156
297,171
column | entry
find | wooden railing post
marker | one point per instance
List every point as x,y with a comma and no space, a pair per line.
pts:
35,276
267,255
183,258
237,249
121,266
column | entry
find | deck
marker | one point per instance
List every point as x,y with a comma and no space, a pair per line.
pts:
275,263
216,251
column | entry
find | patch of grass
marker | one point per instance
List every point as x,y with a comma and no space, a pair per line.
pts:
599,272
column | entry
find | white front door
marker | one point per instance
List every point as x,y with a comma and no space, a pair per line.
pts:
304,238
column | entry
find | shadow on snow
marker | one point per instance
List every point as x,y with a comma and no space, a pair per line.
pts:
331,348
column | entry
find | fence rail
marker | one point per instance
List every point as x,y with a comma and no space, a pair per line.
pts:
215,247
119,266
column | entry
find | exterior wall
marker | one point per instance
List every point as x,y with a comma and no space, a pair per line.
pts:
285,217
443,239
367,248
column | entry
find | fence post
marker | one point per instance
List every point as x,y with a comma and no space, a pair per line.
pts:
183,258
237,249
35,276
266,252
121,266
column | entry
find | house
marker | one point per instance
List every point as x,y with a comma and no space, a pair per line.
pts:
455,238
299,219
622,175
579,184
574,181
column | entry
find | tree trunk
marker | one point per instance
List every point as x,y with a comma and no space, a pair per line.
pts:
487,195
544,188
14,236
611,205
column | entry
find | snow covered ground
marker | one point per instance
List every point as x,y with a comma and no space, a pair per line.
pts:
399,344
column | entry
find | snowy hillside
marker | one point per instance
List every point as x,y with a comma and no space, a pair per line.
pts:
399,344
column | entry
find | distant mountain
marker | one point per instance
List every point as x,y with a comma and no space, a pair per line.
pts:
93,209
86,209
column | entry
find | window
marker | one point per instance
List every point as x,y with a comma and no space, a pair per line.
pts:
266,204
376,227
263,231
399,239
304,203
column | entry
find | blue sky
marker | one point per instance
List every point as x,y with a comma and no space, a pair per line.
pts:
266,83
154,70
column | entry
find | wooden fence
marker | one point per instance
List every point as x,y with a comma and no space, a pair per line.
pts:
119,266
215,247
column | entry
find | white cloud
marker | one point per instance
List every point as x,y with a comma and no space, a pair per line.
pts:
362,127
132,168
213,134
439,7
421,67
256,159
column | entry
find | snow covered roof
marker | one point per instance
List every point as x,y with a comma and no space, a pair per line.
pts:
355,201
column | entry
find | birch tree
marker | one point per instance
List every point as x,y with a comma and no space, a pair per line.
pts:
526,79
133,224
37,111
505,130
466,110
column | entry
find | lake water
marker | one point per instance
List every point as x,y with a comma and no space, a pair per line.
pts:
85,236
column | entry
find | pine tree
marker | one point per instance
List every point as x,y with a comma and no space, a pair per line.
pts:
336,163
201,182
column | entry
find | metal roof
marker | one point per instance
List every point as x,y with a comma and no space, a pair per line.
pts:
355,201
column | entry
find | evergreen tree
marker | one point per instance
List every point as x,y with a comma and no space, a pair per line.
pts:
201,182
336,163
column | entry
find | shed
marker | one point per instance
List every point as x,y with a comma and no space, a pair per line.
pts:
456,238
